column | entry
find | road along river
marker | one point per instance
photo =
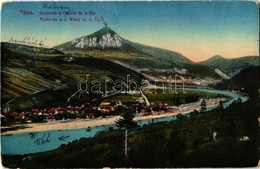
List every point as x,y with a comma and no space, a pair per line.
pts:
33,142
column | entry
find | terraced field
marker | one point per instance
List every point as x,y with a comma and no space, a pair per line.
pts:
18,82
30,73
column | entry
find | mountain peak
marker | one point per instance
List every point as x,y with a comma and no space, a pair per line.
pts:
216,57
106,29
105,38
103,31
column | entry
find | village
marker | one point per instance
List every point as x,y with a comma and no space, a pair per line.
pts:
88,110
97,110
142,109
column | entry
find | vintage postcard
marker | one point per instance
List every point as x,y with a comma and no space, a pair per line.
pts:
153,84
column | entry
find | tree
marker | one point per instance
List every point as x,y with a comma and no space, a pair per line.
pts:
181,117
194,113
127,120
203,105
220,106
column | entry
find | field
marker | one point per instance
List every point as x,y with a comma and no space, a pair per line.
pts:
159,97
44,74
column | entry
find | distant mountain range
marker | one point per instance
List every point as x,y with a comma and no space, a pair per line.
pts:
231,66
106,43
50,75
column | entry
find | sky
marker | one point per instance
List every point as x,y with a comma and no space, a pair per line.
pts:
198,30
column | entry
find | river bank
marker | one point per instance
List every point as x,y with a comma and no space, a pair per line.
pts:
86,123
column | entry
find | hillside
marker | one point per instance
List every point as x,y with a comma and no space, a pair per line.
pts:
107,44
231,66
28,72
247,81
107,39
19,75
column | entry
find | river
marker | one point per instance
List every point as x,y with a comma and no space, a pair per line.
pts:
26,143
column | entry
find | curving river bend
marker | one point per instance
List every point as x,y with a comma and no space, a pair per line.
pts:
26,143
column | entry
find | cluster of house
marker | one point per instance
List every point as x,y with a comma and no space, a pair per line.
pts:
87,110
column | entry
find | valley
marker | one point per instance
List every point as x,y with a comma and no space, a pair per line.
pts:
89,83
30,72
